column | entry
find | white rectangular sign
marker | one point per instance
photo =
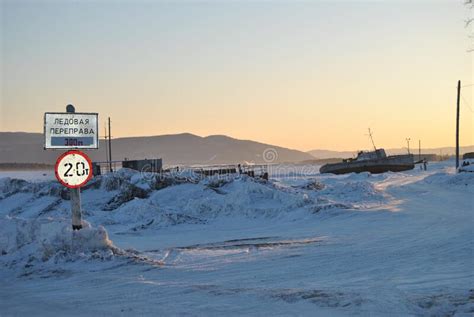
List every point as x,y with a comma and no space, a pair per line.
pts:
63,130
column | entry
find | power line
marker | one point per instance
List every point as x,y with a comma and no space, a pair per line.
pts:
467,103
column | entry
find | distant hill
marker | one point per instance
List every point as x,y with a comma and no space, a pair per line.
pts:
326,154
20,147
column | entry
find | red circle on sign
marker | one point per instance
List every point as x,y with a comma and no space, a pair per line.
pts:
73,152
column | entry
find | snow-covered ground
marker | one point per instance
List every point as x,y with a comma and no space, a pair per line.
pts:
33,175
299,244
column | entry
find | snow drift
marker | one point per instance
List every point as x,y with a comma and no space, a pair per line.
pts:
25,242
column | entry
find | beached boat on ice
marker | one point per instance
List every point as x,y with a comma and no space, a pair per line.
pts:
374,162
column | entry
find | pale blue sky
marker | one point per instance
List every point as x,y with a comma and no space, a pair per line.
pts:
296,74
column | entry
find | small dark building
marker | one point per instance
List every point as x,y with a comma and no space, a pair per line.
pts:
468,156
146,165
96,169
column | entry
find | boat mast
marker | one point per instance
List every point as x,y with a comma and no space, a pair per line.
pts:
372,139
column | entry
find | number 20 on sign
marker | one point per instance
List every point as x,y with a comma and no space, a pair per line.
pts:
73,169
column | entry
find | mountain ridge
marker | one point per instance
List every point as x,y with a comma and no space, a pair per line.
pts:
175,149
180,149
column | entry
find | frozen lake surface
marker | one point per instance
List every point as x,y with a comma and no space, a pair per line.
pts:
34,176
299,244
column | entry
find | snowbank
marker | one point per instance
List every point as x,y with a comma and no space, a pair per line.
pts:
138,201
24,243
461,181
239,197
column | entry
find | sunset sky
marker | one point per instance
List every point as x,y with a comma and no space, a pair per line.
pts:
303,75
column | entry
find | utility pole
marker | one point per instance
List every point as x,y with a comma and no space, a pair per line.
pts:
106,146
75,195
457,124
110,149
419,150
408,142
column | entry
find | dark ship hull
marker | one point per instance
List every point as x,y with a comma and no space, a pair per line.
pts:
396,163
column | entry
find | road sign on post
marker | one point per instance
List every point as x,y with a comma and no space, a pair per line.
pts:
70,130
73,169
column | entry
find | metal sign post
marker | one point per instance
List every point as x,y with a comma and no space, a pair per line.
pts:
73,169
76,209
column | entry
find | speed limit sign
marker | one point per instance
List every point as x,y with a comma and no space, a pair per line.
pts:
73,169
